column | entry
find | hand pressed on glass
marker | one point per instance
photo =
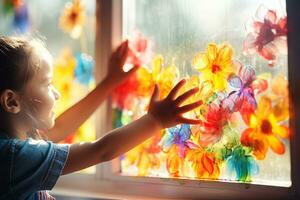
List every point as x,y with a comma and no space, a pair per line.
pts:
116,74
168,111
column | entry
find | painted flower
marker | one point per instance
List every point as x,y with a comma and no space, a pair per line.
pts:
211,128
267,36
140,49
84,69
242,98
174,162
204,163
21,20
242,164
215,64
72,18
177,135
164,76
63,77
265,130
124,95
144,156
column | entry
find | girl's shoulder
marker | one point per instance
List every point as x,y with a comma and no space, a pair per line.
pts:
30,165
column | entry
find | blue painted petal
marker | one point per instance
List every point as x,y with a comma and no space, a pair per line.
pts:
167,140
21,19
235,82
84,68
184,133
253,166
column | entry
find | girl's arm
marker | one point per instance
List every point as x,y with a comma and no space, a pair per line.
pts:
161,114
70,120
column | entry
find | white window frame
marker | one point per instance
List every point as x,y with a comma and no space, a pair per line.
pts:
107,182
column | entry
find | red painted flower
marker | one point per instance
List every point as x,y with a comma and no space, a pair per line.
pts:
211,129
268,36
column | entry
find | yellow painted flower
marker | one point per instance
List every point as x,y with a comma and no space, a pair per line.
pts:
144,156
165,77
63,78
265,130
215,64
72,18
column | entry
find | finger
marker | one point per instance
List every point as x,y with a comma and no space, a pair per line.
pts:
175,90
124,55
186,95
184,120
189,107
121,47
155,94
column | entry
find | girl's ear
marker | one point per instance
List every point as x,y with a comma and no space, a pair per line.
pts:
10,101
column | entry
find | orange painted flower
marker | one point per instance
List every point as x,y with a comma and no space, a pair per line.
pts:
174,162
203,163
73,18
215,64
265,130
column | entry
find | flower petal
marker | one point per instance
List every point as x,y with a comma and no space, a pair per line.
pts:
207,163
212,51
281,44
276,145
264,107
235,82
281,131
200,61
249,46
246,138
260,148
247,74
271,16
225,55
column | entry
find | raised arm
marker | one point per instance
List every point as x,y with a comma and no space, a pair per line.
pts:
70,120
161,114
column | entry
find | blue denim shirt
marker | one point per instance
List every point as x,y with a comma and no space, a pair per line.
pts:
29,167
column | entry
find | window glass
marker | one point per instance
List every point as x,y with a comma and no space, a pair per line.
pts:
236,53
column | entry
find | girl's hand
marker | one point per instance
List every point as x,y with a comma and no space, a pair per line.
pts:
168,112
116,75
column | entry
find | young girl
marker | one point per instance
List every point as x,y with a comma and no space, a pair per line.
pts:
29,167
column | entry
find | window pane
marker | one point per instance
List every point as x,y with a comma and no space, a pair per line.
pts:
68,28
236,53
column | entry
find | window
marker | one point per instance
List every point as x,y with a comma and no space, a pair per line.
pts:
237,57
182,32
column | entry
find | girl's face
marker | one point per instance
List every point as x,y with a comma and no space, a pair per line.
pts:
40,95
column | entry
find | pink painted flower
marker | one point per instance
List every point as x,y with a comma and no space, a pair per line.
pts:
267,36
